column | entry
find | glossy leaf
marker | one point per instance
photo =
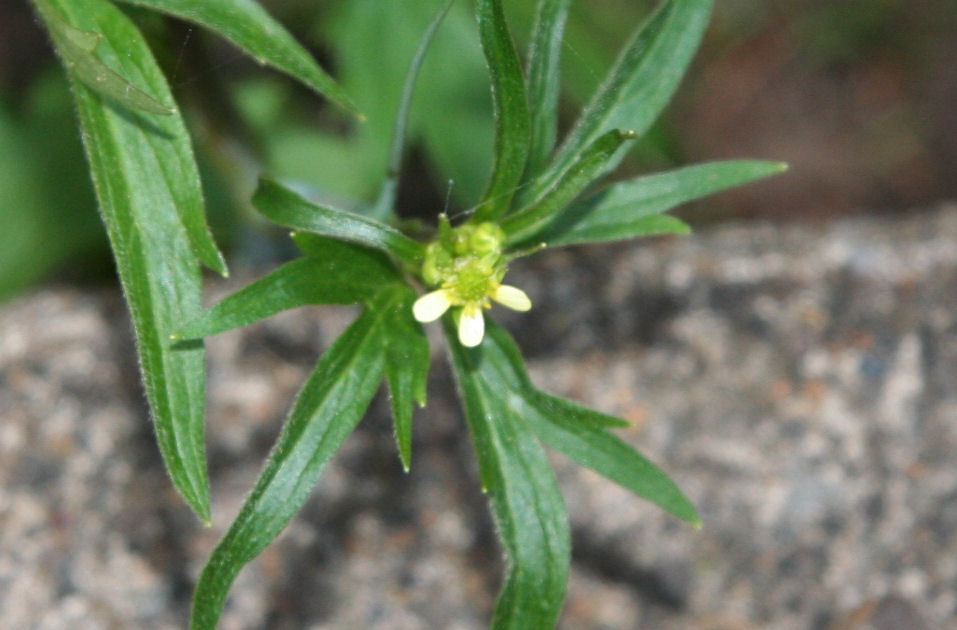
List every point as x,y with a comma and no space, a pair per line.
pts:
543,77
633,208
144,176
593,160
580,435
639,84
247,25
526,503
286,207
344,274
117,81
76,48
383,207
406,370
510,108
327,409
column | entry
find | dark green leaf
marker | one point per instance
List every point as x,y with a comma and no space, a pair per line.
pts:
144,176
579,175
116,79
406,370
572,410
345,274
543,77
328,407
638,86
510,107
632,208
247,25
526,503
383,206
581,433
76,48
285,207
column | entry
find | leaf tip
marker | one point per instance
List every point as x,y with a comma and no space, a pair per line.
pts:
781,167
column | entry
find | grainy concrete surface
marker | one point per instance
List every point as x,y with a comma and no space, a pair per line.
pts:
799,382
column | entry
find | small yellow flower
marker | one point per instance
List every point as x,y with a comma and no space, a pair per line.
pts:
433,305
467,265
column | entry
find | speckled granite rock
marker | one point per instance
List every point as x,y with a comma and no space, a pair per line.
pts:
799,382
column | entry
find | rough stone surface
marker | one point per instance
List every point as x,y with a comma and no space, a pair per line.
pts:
798,382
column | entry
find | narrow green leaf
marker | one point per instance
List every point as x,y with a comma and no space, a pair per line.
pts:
347,274
144,177
639,84
580,434
76,48
383,207
555,405
286,207
510,107
580,174
511,368
116,77
526,503
327,409
633,208
543,79
406,370
248,26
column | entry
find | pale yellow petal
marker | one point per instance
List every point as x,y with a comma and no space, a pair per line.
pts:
512,297
471,327
431,306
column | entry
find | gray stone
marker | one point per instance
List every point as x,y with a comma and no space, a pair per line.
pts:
797,381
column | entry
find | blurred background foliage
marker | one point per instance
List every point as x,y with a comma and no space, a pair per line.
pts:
859,96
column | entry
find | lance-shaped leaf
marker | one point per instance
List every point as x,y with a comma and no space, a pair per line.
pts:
543,76
383,207
592,161
343,274
511,368
582,436
406,370
145,180
76,48
247,25
286,207
633,208
526,503
639,84
510,108
327,409
117,79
